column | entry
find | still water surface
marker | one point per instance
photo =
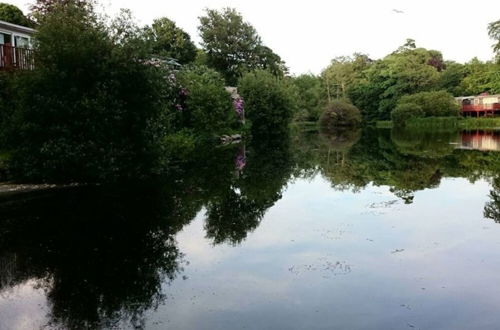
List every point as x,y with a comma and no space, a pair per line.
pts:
365,230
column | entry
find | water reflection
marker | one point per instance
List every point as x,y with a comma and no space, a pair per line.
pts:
492,208
480,140
100,255
105,256
240,207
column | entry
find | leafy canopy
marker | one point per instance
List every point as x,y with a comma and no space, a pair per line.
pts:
168,40
233,46
12,14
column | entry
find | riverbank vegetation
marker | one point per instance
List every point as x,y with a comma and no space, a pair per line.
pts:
111,100
340,115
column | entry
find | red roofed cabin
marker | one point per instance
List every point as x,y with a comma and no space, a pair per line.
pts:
15,46
479,106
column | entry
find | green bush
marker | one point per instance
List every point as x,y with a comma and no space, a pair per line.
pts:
208,106
433,104
7,97
92,110
406,111
340,114
308,94
268,103
424,104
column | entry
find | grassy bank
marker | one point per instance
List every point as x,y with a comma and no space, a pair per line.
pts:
447,122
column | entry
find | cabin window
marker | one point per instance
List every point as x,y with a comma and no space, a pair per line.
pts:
22,42
4,39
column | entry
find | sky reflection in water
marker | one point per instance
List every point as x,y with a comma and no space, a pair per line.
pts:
325,242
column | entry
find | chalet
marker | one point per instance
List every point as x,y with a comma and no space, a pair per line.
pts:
15,46
479,106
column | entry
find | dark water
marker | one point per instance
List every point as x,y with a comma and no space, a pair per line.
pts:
364,230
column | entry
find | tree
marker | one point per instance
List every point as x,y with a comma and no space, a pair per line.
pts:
94,110
268,104
408,70
309,96
12,14
208,107
494,33
340,114
343,72
425,104
233,46
452,77
43,7
168,40
481,77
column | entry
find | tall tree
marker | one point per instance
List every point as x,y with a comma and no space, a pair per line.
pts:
408,70
11,14
41,8
494,33
343,72
171,41
233,45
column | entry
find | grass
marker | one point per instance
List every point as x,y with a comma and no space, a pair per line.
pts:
474,123
447,123
434,122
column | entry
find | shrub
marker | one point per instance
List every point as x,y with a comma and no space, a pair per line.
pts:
268,104
433,104
92,110
340,114
208,107
7,97
405,111
424,104
309,97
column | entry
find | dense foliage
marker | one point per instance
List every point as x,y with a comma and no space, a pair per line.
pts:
343,73
494,33
233,46
340,114
208,107
12,14
308,93
268,103
425,104
170,41
406,71
95,111
406,111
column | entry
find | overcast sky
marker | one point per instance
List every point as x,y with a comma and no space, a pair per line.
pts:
308,34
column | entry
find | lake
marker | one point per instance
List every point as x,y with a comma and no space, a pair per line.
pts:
373,229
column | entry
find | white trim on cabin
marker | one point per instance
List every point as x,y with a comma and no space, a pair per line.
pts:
14,30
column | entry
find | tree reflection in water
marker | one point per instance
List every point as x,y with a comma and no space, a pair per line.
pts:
239,208
102,254
492,208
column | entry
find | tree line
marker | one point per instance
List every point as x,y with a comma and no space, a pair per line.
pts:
110,99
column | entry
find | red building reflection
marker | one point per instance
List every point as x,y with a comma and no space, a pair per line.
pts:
480,140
